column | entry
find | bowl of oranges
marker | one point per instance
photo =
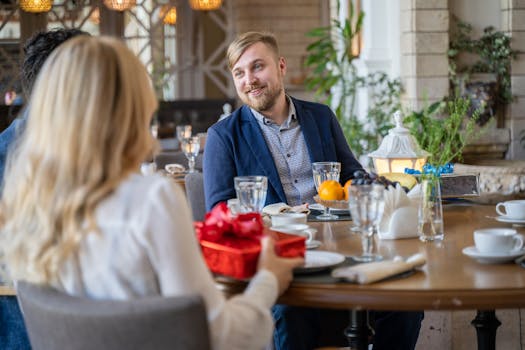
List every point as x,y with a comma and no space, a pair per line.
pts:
332,195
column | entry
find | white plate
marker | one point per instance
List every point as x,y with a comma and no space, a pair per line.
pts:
510,220
313,244
319,260
492,258
319,207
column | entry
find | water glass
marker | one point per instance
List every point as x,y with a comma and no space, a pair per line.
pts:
366,204
323,171
191,147
251,192
430,212
182,132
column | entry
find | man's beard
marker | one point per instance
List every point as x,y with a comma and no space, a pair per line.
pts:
263,102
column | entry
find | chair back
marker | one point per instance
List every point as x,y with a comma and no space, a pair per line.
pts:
194,183
55,320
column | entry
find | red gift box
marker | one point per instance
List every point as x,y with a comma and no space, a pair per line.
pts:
231,245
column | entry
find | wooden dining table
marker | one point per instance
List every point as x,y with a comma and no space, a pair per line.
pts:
449,280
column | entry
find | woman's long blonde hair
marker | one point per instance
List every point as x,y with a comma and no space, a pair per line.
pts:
88,129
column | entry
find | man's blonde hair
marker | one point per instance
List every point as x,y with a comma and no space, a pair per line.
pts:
87,130
245,40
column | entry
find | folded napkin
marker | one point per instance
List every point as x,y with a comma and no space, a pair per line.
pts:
278,208
375,271
399,218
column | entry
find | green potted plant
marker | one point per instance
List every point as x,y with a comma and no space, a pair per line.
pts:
332,75
492,54
444,128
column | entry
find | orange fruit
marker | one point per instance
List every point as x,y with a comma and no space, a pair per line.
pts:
331,190
346,189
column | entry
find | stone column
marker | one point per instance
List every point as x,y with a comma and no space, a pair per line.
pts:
513,22
424,45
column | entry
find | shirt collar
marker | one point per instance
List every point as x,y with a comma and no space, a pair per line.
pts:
292,116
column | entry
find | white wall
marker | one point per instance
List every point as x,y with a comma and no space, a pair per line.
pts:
381,43
479,13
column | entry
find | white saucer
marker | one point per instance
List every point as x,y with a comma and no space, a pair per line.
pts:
319,207
492,258
307,228
313,244
510,220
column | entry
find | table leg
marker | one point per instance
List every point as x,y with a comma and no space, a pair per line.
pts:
486,325
359,330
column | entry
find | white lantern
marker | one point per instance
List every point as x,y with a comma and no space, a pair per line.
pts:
398,150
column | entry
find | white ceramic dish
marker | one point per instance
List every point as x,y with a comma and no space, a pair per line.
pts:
307,228
510,220
492,258
319,260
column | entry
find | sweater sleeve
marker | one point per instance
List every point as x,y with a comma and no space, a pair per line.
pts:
175,254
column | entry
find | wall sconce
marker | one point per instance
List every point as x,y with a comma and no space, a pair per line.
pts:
357,40
205,5
398,150
120,5
168,14
36,6
95,16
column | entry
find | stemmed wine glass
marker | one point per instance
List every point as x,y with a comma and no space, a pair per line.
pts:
191,147
366,203
182,132
323,171
149,166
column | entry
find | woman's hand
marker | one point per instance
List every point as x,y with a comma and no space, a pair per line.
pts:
280,267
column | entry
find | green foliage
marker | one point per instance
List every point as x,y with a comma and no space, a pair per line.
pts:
159,76
444,128
332,70
493,52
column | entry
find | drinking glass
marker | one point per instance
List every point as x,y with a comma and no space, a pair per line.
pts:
323,171
191,147
182,132
430,212
366,203
251,192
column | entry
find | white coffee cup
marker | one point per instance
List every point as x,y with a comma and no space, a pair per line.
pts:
295,229
284,219
497,240
512,209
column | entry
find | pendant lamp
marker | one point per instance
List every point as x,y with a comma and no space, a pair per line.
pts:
205,5
36,6
120,5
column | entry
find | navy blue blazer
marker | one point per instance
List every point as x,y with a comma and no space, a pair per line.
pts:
235,146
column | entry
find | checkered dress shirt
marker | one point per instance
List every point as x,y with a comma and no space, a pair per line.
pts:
290,155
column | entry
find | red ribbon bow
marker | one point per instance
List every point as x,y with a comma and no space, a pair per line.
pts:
219,223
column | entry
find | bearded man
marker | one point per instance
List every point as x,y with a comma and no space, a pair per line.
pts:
273,134
278,136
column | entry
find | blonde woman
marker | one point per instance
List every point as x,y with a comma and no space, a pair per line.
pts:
78,216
